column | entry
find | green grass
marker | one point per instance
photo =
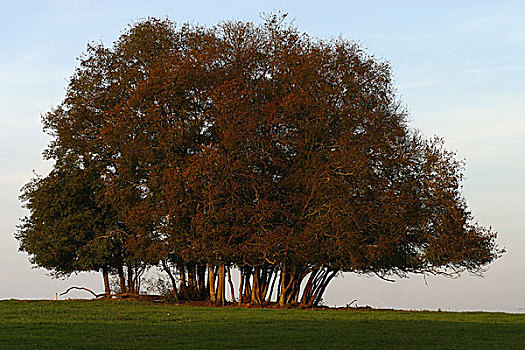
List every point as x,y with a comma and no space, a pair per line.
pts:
141,325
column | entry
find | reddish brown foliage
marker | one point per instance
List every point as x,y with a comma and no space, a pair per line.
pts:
261,148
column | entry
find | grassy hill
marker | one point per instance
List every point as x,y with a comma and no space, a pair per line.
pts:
142,325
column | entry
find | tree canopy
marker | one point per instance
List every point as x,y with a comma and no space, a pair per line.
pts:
250,146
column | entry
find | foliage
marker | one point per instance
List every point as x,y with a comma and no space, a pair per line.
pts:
66,221
249,146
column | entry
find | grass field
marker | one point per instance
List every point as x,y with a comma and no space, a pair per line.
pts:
141,325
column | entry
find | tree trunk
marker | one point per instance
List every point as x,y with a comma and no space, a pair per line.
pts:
278,289
172,279
255,287
211,279
201,278
275,273
192,283
267,278
288,285
309,287
105,276
183,287
282,296
320,293
122,280
131,287
247,286
241,284
221,298
232,290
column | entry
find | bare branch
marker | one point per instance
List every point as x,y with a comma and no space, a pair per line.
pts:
83,288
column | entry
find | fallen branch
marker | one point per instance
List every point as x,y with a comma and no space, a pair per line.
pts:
134,296
83,288
117,296
353,301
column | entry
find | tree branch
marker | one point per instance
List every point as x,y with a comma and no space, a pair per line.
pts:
83,288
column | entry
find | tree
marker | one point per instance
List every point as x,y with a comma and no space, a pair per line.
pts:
253,147
67,230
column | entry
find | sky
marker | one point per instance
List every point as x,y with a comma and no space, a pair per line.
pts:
458,67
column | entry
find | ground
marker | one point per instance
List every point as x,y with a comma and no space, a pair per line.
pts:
146,325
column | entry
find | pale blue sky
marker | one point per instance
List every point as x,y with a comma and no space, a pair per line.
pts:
459,68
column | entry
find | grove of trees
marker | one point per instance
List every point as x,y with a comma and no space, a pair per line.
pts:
254,147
